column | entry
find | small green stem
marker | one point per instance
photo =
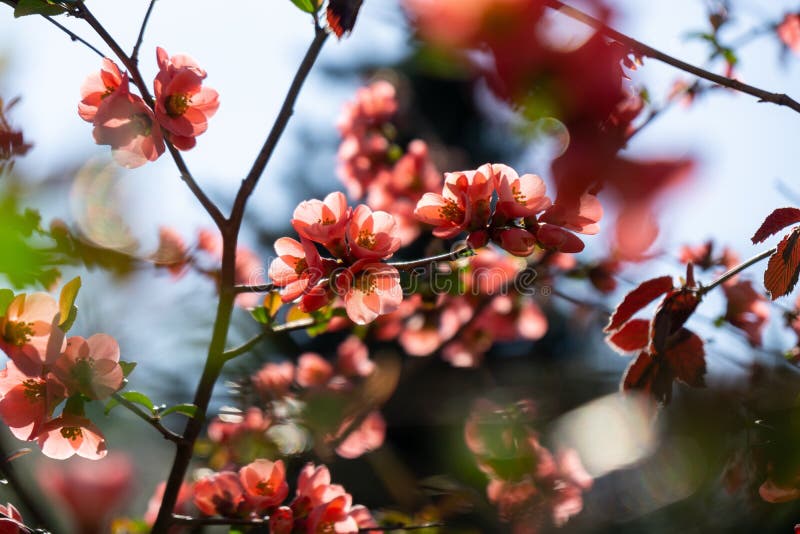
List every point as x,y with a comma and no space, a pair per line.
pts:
149,419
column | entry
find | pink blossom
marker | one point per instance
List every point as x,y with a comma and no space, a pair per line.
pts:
313,370
29,334
581,218
91,490
373,104
248,270
220,494
182,104
371,235
516,241
126,123
264,483
172,252
27,402
71,434
367,437
323,222
333,516
353,358
518,196
554,237
97,87
747,310
369,290
281,521
90,366
297,268
273,379
789,31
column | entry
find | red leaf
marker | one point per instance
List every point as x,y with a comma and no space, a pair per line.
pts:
671,315
775,222
784,266
649,375
635,335
686,358
341,15
637,299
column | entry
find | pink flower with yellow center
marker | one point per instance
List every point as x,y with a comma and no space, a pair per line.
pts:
220,494
372,235
323,221
90,366
369,289
264,483
26,402
97,87
70,434
519,196
128,125
183,105
297,268
29,334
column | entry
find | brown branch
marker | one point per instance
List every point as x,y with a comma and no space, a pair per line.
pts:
149,419
285,113
736,270
641,49
31,502
140,38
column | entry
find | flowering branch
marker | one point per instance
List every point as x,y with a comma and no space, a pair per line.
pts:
642,49
200,521
463,252
149,419
135,53
736,270
130,64
257,288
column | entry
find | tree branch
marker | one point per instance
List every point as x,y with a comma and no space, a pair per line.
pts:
149,419
285,113
132,67
31,502
736,270
457,254
135,53
642,49
246,346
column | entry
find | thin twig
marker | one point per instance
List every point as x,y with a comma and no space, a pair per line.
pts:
31,502
246,346
73,36
200,521
135,53
212,209
736,270
149,419
464,252
285,113
294,325
257,288
642,49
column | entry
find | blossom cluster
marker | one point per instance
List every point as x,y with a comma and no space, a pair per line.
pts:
260,489
136,127
531,488
523,216
359,240
282,410
47,368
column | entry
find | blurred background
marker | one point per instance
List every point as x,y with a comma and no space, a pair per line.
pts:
668,475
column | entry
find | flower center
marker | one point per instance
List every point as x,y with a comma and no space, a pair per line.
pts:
451,211
365,239
34,390
519,197
18,333
142,124
301,266
177,104
71,432
265,487
366,284
82,371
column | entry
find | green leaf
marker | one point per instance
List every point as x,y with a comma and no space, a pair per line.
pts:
260,315
37,7
309,6
127,367
6,296
66,303
189,410
110,405
139,398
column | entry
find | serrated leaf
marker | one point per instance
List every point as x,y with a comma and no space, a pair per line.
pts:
189,410
775,222
127,367
637,299
140,398
308,6
37,7
66,303
6,296
784,266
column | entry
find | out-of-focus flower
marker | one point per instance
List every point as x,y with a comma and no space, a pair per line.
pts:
333,516
25,332
353,358
172,252
183,504
747,310
91,490
182,104
129,126
90,366
27,402
367,437
313,370
273,379
789,31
